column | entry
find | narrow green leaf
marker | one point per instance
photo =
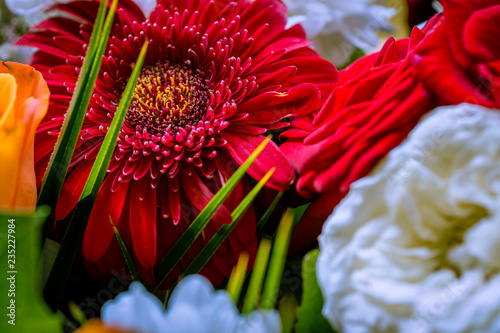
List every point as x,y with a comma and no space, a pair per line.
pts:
194,230
269,211
70,131
257,278
99,169
277,264
237,278
77,313
126,255
298,212
59,274
309,317
247,201
221,235
287,309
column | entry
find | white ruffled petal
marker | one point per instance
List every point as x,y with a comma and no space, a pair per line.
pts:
414,247
337,26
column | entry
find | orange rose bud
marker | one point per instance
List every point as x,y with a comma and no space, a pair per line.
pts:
24,99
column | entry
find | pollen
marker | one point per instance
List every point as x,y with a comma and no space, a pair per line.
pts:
168,97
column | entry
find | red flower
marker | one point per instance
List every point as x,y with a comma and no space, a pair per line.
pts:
460,60
381,97
217,77
376,103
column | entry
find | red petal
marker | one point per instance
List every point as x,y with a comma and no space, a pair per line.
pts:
240,146
274,106
99,232
481,33
199,195
143,224
309,227
258,13
72,189
436,67
174,203
457,13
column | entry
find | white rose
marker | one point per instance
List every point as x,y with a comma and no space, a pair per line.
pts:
415,246
337,26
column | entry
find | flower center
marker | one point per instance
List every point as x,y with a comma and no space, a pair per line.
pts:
454,236
168,97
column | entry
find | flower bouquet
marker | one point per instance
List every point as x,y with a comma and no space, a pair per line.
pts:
250,166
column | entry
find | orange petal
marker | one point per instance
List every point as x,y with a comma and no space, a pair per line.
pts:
97,326
24,99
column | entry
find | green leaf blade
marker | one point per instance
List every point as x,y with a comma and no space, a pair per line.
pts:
257,278
309,317
237,278
194,230
31,312
60,160
277,263
221,235
269,211
106,151
126,254
59,274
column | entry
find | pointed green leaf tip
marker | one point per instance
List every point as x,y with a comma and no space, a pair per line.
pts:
237,278
196,227
221,235
277,264
257,278
126,254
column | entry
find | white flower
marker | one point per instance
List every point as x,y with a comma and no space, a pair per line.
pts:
194,306
415,246
337,26
32,10
135,309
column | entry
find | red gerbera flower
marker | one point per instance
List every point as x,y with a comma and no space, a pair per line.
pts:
218,75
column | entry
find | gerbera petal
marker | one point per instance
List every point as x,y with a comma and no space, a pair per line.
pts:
200,194
240,146
99,232
274,106
143,223
214,70
72,189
